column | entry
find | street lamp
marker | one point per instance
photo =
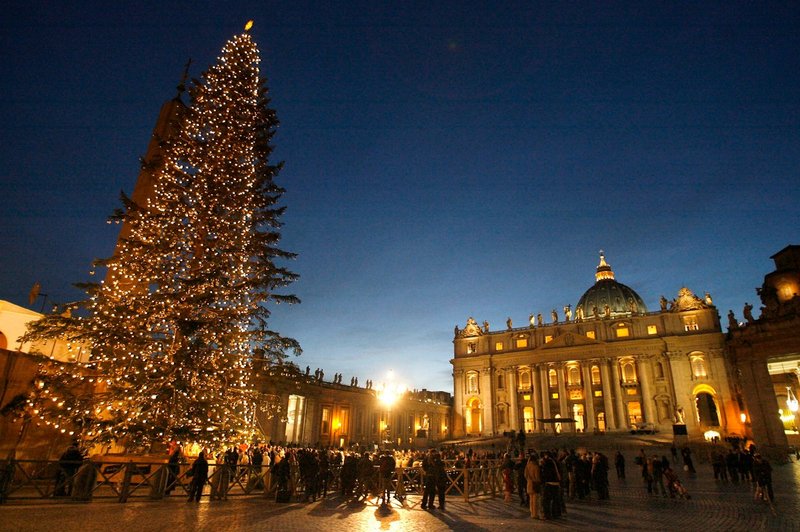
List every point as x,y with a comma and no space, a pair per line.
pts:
388,394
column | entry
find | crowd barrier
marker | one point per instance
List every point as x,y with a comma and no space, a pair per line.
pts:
101,480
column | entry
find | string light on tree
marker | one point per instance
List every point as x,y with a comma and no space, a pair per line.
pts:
175,326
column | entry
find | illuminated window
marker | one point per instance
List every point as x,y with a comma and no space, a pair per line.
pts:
326,420
690,324
472,382
555,395
628,372
598,393
634,412
573,375
590,334
622,331
630,391
548,338
595,375
498,346
553,378
526,397
652,329
601,421
525,380
699,367
521,342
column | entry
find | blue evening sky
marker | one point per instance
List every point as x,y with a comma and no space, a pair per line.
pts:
442,159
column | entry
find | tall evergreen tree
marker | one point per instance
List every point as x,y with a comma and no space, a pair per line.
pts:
174,328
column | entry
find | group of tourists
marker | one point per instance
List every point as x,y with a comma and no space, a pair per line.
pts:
737,465
659,476
546,480
543,481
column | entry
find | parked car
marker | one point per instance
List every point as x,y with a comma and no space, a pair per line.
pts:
643,428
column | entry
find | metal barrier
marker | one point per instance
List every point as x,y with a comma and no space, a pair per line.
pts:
122,481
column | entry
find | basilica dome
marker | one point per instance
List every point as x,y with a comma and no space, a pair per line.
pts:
619,299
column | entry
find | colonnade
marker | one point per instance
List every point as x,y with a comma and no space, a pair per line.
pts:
613,388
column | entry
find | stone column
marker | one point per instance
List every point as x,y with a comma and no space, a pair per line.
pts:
622,419
643,370
562,397
536,393
458,428
511,389
611,418
544,391
488,399
588,399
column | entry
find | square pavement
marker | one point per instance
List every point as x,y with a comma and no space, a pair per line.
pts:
714,505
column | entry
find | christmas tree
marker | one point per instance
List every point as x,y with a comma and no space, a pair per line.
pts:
174,328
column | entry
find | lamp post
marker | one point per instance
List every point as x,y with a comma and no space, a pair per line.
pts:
388,394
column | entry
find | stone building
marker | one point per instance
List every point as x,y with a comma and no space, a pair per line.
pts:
612,366
315,411
766,355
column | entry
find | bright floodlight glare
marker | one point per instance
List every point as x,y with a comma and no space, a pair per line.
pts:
387,396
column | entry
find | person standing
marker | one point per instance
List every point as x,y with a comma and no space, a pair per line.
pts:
688,465
551,483
441,476
386,469
762,472
430,480
199,477
508,482
533,479
68,463
173,469
521,482
619,463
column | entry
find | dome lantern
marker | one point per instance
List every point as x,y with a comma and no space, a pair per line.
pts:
608,298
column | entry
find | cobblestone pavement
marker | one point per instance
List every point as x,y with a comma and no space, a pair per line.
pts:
713,506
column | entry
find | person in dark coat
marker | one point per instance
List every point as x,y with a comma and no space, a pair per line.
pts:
430,481
762,472
441,476
173,469
199,477
551,481
68,463
386,469
619,463
348,475
521,482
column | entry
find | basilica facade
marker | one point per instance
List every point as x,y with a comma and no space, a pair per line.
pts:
612,366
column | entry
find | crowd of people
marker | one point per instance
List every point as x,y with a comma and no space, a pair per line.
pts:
543,481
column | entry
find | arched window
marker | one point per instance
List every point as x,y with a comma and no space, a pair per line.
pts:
595,375
699,367
553,377
573,375
628,372
501,415
3,341
472,382
525,380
